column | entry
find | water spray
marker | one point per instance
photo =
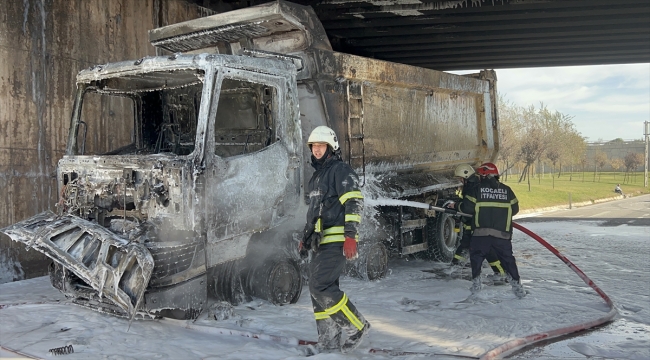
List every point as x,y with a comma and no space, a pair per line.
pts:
415,204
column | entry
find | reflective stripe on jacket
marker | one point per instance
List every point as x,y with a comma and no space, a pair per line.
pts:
470,185
493,204
335,186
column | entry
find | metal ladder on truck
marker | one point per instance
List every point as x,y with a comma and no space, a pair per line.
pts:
356,147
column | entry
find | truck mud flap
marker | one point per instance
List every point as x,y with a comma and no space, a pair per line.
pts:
116,268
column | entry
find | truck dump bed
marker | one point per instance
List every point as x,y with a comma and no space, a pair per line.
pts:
400,118
392,118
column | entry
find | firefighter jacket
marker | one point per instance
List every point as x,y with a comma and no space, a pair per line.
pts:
469,185
493,204
335,201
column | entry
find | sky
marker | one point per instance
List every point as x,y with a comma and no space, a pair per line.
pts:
606,101
415,308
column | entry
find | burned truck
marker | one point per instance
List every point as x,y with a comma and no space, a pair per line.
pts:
184,174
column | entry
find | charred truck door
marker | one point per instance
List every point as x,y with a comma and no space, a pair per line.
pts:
252,186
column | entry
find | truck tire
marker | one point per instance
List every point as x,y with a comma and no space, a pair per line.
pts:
442,238
226,283
277,279
372,263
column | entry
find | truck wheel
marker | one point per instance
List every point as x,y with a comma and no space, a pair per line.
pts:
442,238
277,279
227,283
372,263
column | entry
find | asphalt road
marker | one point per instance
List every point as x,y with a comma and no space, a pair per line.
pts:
634,211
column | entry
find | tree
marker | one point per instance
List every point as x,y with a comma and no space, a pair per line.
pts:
600,159
616,164
530,148
583,163
510,134
632,161
569,144
533,143
530,135
553,156
558,129
575,149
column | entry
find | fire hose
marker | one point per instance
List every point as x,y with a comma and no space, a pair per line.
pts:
519,343
502,349
534,338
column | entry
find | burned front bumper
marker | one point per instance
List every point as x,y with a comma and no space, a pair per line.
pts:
116,268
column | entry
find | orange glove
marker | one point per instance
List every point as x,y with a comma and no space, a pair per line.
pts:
302,251
350,248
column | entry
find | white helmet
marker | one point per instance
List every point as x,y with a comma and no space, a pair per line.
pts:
323,134
464,171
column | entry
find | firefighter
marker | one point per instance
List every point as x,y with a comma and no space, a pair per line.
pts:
470,180
333,218
493,204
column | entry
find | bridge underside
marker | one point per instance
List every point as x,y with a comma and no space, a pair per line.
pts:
477,34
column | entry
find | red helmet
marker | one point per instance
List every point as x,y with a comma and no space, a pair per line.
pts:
487,169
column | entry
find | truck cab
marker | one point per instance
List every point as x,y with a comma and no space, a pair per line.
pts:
204,155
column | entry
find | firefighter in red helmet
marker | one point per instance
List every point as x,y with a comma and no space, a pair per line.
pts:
470,180
493,204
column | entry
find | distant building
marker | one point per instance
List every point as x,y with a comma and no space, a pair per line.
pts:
614,149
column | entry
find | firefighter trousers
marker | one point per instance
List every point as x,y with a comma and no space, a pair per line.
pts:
480,247
332,308
491,256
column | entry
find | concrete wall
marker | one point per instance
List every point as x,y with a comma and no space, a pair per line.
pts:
43,44
614,150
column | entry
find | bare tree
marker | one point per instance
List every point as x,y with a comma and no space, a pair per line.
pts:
530,135
558,128
583,163
533,143
616,165
600,160
576,151
632,162
530,147
553,156
510,130
569,144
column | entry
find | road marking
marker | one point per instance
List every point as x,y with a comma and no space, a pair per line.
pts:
606,212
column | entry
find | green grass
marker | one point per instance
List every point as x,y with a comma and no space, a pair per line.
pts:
542,193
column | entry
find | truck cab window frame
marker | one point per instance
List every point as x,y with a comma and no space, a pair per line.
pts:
246,117
164,108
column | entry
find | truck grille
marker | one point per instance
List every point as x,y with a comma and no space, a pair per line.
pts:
173,259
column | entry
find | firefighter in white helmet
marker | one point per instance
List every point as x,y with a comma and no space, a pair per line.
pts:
333,218
467,176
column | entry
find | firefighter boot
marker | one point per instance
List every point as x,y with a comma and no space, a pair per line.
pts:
517,287
355,337
476,285
329,335
497,277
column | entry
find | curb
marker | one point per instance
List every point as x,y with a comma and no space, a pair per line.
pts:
575,205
